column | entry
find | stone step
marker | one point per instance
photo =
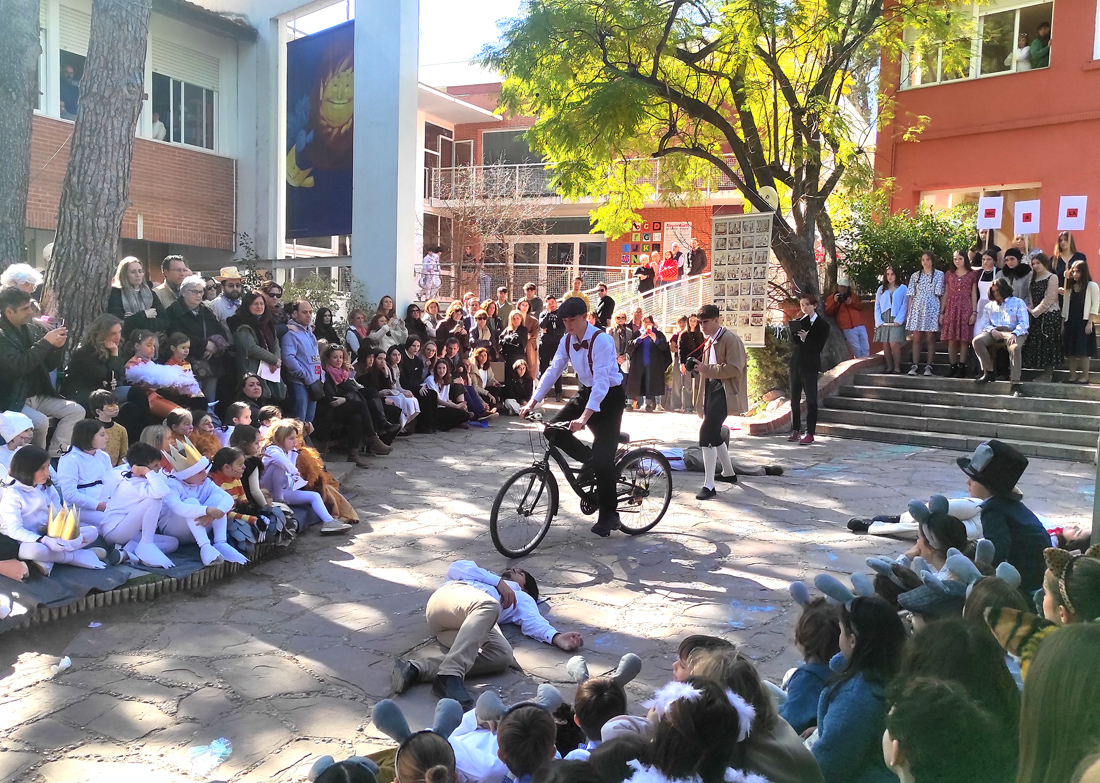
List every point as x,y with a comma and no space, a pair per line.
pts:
966,400
1005,429
1054,391
956,410
942,368
943,357
943,440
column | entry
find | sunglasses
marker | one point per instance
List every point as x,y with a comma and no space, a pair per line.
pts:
481,318
211,288
275,294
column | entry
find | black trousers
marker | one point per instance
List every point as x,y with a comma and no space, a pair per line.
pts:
605,425
714,413
803,380
546,355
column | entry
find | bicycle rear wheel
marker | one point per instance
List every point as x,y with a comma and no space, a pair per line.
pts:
643,489
522,512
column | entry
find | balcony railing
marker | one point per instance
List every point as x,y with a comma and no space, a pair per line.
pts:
534,180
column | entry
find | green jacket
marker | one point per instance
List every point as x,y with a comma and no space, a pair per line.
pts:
249,355
26,360
1040,54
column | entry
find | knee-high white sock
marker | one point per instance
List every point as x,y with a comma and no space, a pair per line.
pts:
710,460
202,538
149,521
724,458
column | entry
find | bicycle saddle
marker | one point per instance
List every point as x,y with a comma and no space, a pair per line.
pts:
624,437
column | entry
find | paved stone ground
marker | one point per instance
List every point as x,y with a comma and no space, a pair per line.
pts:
287,659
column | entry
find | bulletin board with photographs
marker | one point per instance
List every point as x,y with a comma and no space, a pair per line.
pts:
740,254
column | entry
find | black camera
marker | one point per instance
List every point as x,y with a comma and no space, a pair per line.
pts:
690,363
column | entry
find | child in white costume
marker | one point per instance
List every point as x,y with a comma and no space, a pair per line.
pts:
195,506
17,430
134,510
85,473
24,514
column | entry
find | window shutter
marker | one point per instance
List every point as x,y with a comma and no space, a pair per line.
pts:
43,14
76,29
179,62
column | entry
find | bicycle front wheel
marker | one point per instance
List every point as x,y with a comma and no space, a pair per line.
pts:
643,489
522,512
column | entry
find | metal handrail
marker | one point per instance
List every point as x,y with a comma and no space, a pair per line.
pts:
534,180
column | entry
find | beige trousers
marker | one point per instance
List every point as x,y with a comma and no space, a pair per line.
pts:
464,620
987,342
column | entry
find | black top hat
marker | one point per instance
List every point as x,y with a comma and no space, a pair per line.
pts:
995,465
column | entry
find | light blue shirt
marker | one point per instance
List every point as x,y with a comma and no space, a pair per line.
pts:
1011,313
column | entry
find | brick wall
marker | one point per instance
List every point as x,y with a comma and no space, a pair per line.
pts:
185,197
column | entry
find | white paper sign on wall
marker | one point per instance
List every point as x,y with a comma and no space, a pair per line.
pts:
1027,217
990,212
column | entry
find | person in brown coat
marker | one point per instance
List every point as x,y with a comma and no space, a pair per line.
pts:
722,365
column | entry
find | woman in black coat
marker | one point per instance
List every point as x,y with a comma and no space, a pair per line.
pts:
323,328
188,315
512,343
96,363
416,327
808,336
345,403
132,299
650,358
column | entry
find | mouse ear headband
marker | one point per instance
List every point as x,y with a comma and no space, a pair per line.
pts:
922,512
490,708
966,571
323,763
629,667
837,593
1060,562
390,720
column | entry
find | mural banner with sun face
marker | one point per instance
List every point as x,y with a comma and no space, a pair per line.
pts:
320,85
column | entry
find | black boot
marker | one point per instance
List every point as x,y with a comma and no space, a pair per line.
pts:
449,686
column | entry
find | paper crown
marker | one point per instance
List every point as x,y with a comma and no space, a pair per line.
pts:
185,459
64,524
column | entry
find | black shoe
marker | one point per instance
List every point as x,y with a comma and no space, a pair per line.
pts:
773,470
986,377
603,528
586,477
404,675
726,479
1017,390
557,398
859,525
887,519
705,494
449,686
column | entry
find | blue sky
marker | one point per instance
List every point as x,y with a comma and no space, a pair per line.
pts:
451,32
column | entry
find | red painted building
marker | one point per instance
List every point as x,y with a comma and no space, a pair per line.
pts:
993,128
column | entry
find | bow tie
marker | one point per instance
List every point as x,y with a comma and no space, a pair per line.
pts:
581,345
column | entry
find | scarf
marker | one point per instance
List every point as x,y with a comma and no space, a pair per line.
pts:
136,300
1017,272
362,332
338,374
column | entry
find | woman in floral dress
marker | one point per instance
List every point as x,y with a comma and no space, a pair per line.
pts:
960,310
926,288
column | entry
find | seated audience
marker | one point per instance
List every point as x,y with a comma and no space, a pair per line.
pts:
282,478
132,299
103,407
817,637
85,473
95,364
28,354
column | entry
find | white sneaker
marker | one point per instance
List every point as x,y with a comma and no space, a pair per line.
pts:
913,370
928,370
334,526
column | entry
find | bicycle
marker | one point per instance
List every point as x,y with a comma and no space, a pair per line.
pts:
528,501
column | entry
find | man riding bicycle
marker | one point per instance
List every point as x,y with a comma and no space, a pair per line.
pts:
599,406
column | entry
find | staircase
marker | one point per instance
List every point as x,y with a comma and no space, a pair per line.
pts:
1051,420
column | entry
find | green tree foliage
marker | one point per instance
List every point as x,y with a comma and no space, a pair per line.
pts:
752,89
769,366
870,238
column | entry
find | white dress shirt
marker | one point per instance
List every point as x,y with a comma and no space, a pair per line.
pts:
525,613
601,376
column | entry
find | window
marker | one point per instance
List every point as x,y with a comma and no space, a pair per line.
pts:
1001,44
507,146
188,112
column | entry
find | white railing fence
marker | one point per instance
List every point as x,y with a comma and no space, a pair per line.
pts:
666,302
555,279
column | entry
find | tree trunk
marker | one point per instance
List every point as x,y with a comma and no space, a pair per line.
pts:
19,52
800,264
96,189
